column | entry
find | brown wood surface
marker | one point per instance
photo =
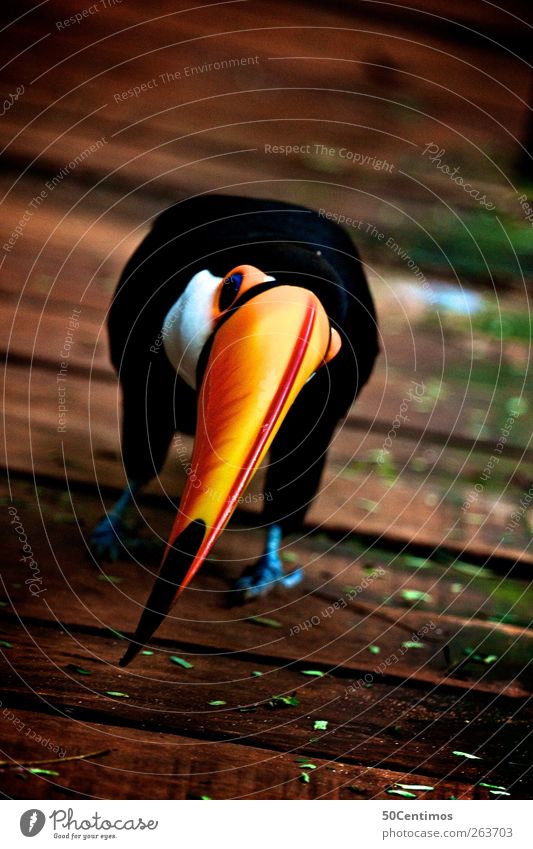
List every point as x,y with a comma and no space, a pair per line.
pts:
383,85
163,697
377,614
419,499
168,766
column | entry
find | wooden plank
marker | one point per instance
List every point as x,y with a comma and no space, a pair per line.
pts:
475,18
385,727
143,765
449,412
433,401
37,335
124,66
73,249
355,496
464,398
419,110
381,613
452,587
446,405
456,588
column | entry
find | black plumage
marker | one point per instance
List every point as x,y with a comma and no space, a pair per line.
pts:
219,232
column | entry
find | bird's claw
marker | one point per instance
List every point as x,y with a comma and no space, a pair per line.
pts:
263,576
106,539
110,541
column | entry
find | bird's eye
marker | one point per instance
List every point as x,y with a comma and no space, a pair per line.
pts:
229,291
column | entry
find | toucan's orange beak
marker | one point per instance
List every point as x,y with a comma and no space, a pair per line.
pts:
261,357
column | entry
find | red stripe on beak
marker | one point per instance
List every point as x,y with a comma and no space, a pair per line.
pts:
260,359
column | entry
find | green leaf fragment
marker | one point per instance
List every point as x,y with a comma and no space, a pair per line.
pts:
289,557
179,661
416,562
367,504
492,786
499,792
304,778
256,673
472,569
36,770
413,786
320,725
412,644
480,658
265,621
206,798
147,652
317,673
63,519
467,755
78,669
415,595
216,702
117,694
374,649
505,618
5,644
517,405
292,701
111,579
283,701
404,793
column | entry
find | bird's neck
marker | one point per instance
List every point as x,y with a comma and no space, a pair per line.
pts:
189,323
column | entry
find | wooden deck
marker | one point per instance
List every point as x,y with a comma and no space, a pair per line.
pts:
414,611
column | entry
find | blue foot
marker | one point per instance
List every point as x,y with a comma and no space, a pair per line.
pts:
267,572
110,541
106,539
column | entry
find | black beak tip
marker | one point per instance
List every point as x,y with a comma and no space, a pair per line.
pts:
174,569
131,652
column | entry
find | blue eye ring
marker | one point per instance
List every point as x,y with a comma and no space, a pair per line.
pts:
230,289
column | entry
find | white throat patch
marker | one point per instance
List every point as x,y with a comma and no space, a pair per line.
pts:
189,323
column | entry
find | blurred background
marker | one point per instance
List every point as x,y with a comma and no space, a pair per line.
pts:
410,124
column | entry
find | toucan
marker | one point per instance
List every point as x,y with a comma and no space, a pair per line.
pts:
248,323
